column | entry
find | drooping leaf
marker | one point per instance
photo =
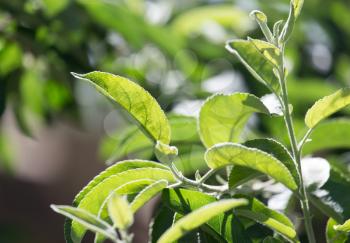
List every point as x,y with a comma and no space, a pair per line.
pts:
185,201
276,221
331,134
222,117
113,170
120,211
147,194
332,235
134,99
326,106
199,217
225,154
255,62
93,200
343,227
87,219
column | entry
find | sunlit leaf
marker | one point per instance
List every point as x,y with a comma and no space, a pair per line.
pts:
332,235
120,211
276,221
255,62
219,124
86,219
330,134
134,99
199,217
93,200
327,106
113,170
225,154
269,51
147,194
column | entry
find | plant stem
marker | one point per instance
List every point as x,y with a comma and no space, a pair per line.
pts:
296,153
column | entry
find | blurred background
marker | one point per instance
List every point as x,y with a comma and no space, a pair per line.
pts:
56,132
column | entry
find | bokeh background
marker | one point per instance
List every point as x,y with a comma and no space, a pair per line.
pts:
56,132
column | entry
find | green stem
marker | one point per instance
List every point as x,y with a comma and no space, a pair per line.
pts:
296,153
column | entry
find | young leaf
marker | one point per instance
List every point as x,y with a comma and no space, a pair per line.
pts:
147,194
87,219
331,134
298,5
327,106
120,211
225,154
332,235
289,25
223,117
343,227
199,217
255,62
134,99
165,153
96,196
276,221
261,19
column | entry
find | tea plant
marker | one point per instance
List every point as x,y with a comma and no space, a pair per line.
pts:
202,209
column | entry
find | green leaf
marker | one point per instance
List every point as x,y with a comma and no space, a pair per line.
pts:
261,19
161,222
276,221
298,5
239,234
269,51
147,194
343,227
87,219
53,7
277,150
289,25
199,217
222,117
113,170
327,106
93,200
225,154
165,153
120,211
332,235
128,188
134,99
329,135
255,62
184,201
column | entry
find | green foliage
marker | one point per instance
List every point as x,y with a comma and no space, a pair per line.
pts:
217,124
236,154
135,100
327,106
260,67
344,227
200,209
199,217
332,235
